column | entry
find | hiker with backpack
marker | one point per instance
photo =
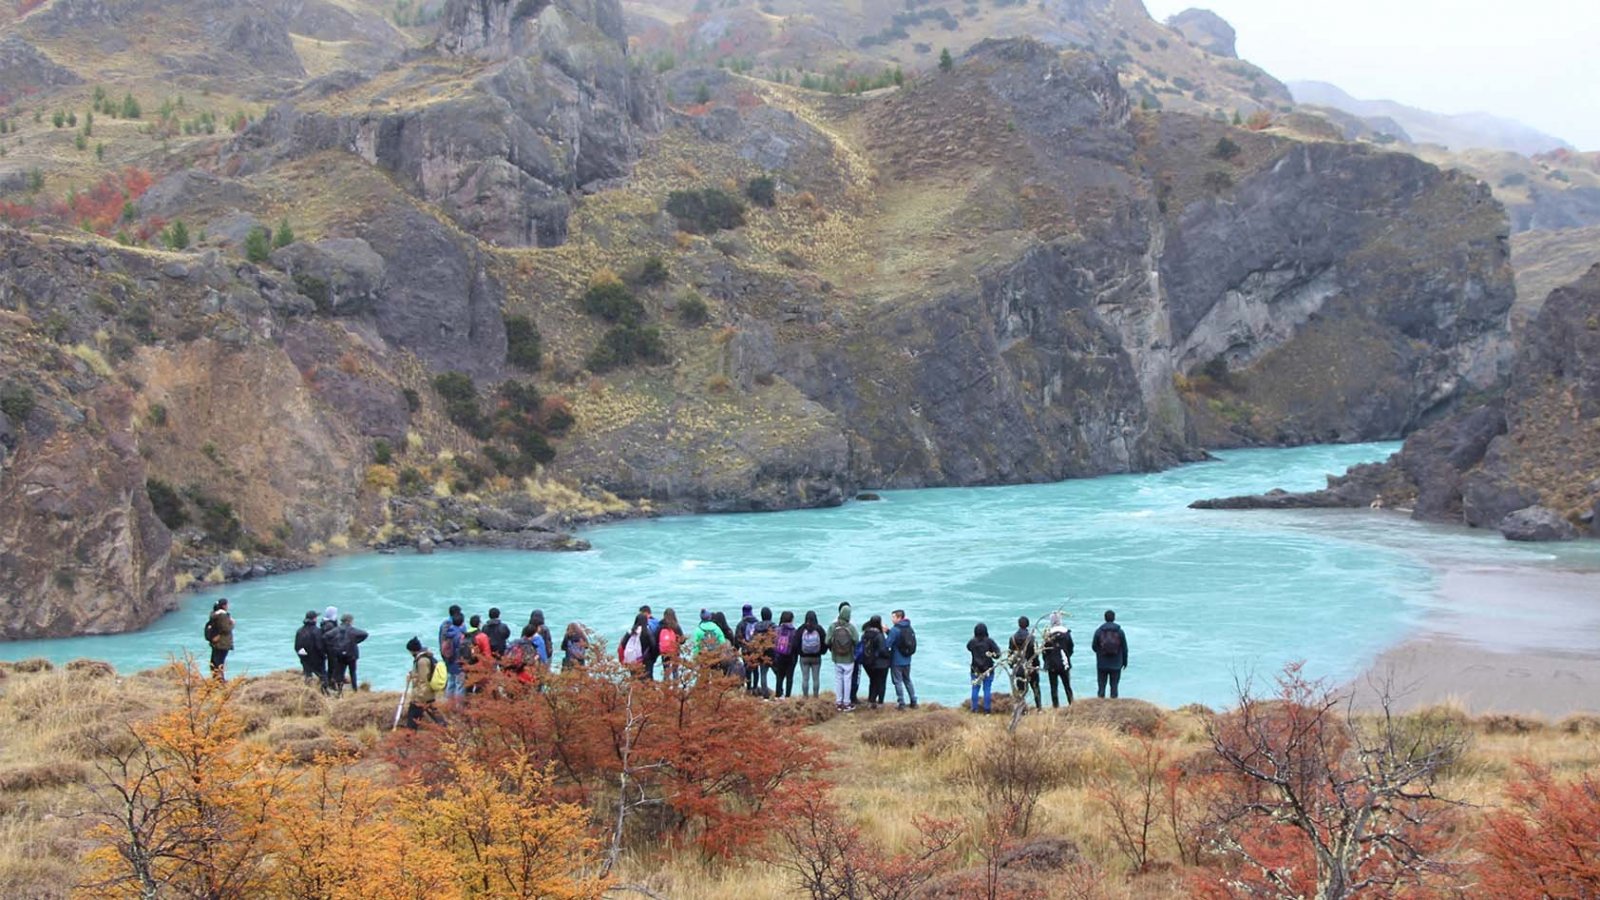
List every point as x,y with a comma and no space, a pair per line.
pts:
536,619
743,634
499,634
785,654
655,632
842,650
574,648
669,643
637,650
218,632
875,658
758,654
425,681
903,645
1058,658
1024,663
452,638
985,656
813,641
1110,646
524,655
343,651
309,649
707,637
476,656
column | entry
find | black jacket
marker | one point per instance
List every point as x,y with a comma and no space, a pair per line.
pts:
308,642
1058,650
1109,661
984,652
499,634
1024,652
344,641
874,649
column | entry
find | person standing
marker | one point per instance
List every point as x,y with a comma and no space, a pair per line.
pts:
636,650
985,655
352,642
420,684
524,655
785,654
219,634
574,648
499,633
669,643
902,644
1058,659
1024,662
813,640
1110,646
707,636
655,639
536,619
842,650
452,637
308,647
875,659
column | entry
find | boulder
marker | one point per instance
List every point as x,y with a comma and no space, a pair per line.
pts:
1206,30
341,276
1537,523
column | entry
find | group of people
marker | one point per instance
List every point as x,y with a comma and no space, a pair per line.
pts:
328,649
764,651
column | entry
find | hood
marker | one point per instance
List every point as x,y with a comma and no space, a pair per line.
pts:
903,623
980,631
844,613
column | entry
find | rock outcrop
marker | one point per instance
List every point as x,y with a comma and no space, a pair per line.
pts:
1206,30
1525,464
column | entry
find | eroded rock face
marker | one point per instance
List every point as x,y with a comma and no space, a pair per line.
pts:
81,550
1207,30
24,68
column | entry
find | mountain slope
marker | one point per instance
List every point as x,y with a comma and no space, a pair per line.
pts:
1465,131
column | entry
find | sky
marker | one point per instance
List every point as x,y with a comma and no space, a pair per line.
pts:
1536,61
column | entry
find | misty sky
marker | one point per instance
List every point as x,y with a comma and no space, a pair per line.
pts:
1531,60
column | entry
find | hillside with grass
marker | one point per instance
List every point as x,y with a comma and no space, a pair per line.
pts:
725,796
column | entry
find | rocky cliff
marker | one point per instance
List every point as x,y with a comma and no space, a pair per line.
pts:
1525,463
497,288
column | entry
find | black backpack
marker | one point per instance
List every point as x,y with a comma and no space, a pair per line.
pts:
1111,642
210,631
907,642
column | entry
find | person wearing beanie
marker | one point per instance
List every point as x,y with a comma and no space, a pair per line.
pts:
842,640
313,656
707,636
331,614
1058,658
420,684
219,634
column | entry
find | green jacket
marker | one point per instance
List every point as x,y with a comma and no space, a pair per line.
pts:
706,632
222,622
842,657
421,670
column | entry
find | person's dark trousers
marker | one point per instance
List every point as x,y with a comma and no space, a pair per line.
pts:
1065,680
783,672
311,667
1114,677
355,684
761,680
219,658
1019,688
415,712
855,683
336,667
752,673
877,684
650,669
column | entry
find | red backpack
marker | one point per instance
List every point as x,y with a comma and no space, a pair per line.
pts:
667,642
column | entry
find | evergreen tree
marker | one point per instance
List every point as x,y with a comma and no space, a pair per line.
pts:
946,61
285,235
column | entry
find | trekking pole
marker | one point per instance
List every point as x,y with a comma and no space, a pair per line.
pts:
401,708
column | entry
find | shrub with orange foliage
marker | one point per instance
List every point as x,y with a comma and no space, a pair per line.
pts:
98,208
830,858
1260,120
1546,844
695,753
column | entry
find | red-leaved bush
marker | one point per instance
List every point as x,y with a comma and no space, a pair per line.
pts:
1546,843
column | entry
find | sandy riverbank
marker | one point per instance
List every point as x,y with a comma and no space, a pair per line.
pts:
1515,639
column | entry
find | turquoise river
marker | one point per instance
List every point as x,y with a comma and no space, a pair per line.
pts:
1206,597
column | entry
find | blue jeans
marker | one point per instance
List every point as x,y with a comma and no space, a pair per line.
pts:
456,684
901,675
987,682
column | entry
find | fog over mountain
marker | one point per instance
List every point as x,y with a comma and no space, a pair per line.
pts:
1457,132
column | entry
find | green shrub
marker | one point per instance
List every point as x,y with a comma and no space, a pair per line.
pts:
411,481
176,237
762,191
157,415
17,401
382,452
626,344
217,517
460,397
705,211
651,272
258,244
285,235
524,346
130,107
946,61
693,311
1225,149
612,301
167,504
315,289
413,399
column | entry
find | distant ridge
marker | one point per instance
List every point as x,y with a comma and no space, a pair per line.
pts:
1457,132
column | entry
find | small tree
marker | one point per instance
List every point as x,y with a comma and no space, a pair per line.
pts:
176,237
1546,842
946,61
285,235
762,191
1225,149
524,345
258,244
130,107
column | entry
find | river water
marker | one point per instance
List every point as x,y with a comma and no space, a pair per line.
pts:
1205,597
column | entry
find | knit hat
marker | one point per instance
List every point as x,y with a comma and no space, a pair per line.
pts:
414,645
1055,618
331,613
705,615
748,609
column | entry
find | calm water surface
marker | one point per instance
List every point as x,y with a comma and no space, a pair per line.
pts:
1205,597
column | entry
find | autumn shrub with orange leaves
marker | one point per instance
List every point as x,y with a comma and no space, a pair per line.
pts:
188,808
1546,842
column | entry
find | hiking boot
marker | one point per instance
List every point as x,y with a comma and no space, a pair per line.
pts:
913,704
849,708
899,705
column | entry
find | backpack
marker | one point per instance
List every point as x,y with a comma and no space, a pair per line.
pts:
750,630
1111,642
811,642
784,645
211,629
468,651
839,640
907,643
450,642
632,652
879,648
438,678
669,641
